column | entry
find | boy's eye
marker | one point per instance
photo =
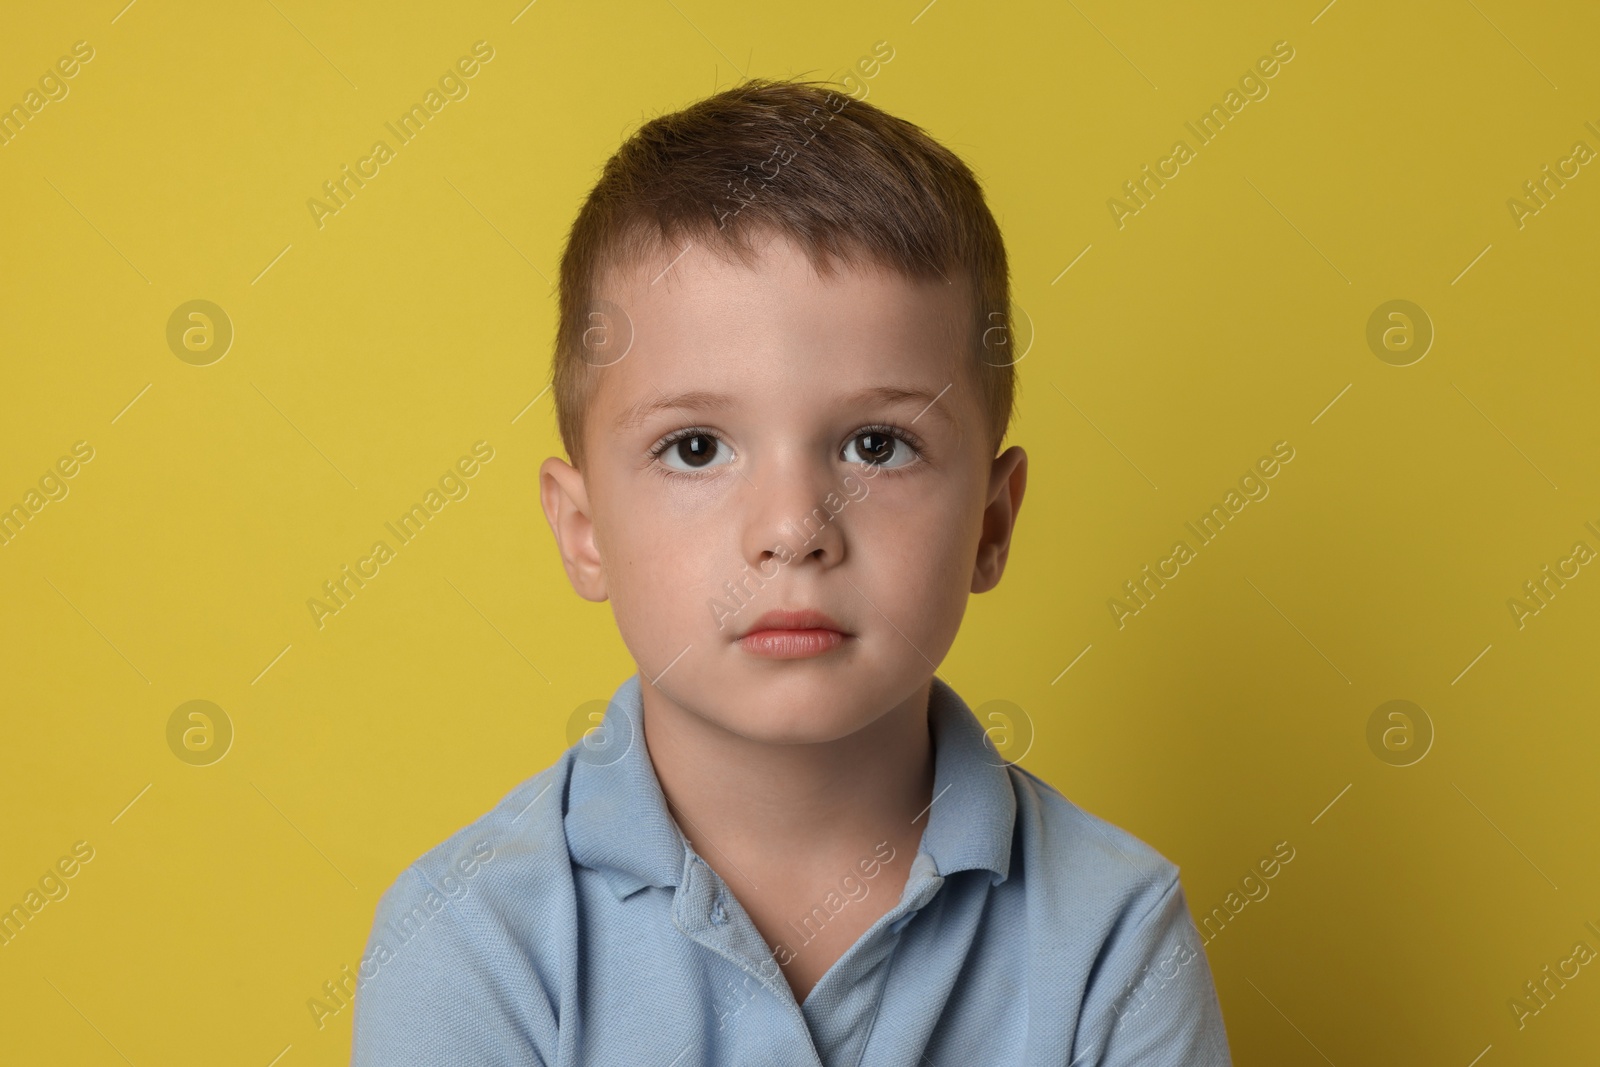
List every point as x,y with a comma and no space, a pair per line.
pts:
695,451
878,449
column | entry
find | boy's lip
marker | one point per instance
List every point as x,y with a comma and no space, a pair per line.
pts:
782,619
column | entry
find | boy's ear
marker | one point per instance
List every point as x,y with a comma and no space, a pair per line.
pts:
1008,478
565,498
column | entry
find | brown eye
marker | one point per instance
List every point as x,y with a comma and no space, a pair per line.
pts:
876,446
878,449
695,451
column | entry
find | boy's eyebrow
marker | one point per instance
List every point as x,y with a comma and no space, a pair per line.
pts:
893,394
695,398
704,400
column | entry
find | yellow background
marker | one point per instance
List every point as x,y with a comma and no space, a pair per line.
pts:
1226,316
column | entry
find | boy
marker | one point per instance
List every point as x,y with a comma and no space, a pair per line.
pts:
782,382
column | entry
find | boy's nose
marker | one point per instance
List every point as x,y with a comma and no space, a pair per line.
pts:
792,515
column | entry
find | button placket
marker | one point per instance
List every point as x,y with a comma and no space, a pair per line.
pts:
878,944
695,906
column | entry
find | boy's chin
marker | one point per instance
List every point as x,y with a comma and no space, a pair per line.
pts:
791,720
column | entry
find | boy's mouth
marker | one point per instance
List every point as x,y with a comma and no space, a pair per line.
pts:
785,634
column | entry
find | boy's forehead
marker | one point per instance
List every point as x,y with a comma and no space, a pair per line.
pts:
686,282
697,316
708,309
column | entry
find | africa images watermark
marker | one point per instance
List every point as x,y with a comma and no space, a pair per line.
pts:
52,486
1541,190
742,195
1254,889
1539,591
852,889
739,590
53,88
1541,991
1252,86
868,67
1136,995
1253,483
340,992
452,85
53,886
452,485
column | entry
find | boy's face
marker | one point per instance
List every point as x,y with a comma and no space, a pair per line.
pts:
789,384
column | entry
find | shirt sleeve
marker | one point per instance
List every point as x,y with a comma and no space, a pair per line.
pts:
1152,1001
428,991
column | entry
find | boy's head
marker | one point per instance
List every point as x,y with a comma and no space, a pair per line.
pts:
782,375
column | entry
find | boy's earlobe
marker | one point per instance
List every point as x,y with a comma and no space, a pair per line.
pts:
1008,479
565,499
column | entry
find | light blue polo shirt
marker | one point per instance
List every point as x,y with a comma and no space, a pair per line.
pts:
573,924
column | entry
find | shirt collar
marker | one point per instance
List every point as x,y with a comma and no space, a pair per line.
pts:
617,821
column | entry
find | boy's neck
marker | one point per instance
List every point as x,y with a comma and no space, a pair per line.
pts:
778,810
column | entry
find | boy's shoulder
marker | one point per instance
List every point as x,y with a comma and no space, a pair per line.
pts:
1072,857
1108,923
516,850
474,930
523,827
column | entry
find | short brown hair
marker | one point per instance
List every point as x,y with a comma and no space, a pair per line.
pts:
839,177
